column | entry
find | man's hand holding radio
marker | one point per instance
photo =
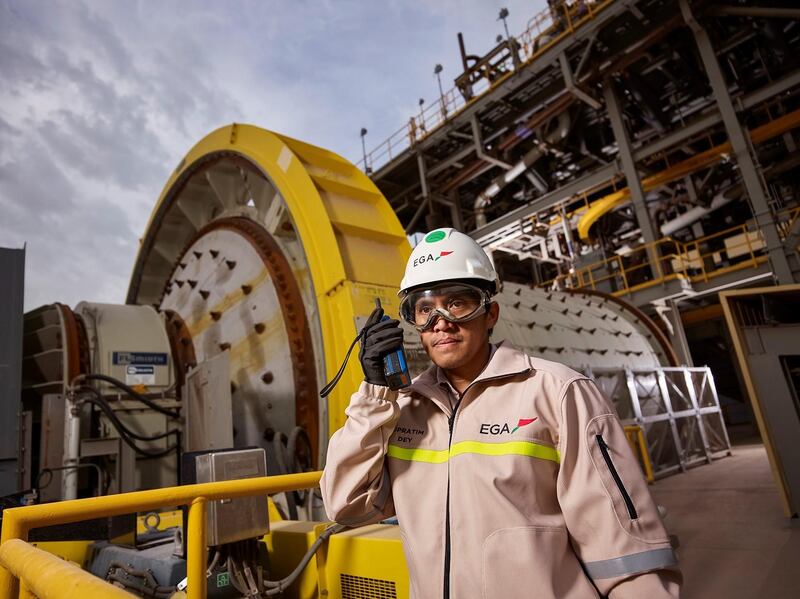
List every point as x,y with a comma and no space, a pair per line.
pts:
381,336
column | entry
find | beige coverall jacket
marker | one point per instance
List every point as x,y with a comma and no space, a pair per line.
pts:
525,486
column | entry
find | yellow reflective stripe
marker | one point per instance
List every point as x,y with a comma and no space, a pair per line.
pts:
432,456
440,456
528,448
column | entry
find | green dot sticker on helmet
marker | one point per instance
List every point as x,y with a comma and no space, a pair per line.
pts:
435,236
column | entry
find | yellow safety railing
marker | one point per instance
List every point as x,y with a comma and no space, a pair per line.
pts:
19,560
639,446
702,259
45,575
545,29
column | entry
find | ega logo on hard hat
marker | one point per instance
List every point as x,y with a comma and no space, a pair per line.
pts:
430,258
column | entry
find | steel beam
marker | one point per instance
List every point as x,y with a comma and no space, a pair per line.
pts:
606,172
574,88
631,174
572,188
741,150
520,77
765,12
478,141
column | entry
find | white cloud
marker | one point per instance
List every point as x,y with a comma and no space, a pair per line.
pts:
100,100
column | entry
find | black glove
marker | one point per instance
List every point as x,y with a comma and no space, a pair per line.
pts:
380,338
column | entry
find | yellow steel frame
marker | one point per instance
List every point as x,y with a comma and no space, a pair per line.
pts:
355,247
729,299
639,445
33,567
44,575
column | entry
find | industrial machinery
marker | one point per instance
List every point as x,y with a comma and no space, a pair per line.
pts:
261,261
264,255
258,267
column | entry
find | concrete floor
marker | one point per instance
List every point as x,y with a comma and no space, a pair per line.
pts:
735,542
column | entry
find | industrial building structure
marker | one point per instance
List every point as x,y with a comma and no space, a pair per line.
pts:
622,162
643,149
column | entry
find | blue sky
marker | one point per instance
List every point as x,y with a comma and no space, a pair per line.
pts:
99,100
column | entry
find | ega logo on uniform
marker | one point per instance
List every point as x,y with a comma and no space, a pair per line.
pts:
488,428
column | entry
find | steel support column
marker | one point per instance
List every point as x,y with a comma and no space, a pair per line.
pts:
455,210
426,200
741,149
678,337
631,174
423,176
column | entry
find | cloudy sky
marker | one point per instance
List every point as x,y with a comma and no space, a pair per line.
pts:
99,100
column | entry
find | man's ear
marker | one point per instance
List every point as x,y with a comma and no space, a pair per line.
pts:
492,315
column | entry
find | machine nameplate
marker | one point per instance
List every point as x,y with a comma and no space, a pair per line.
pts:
140,375
124,358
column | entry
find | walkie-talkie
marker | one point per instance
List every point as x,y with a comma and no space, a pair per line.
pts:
395,366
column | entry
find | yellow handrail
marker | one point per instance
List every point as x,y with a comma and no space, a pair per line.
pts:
17,522
677,259
46,575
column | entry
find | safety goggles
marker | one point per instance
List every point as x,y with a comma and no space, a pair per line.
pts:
457,302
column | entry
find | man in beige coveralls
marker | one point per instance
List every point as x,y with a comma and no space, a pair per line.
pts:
511,476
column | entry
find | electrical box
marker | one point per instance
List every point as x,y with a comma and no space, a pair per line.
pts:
231,520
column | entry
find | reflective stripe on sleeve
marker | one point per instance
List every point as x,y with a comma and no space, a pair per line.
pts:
635,563
440,456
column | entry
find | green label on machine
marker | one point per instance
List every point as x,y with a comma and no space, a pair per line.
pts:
223,579
435,236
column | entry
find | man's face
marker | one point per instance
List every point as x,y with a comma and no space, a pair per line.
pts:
454,345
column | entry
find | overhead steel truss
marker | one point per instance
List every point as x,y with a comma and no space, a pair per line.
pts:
600,101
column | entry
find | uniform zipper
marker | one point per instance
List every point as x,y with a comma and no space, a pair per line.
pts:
451,420
607,457
450,423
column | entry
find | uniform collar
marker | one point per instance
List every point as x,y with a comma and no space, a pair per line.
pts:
504,361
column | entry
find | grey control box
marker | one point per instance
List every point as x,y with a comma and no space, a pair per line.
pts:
231,520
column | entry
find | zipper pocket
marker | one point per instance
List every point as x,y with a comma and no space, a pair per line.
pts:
607,457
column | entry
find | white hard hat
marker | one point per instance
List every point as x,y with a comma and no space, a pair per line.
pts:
447,255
